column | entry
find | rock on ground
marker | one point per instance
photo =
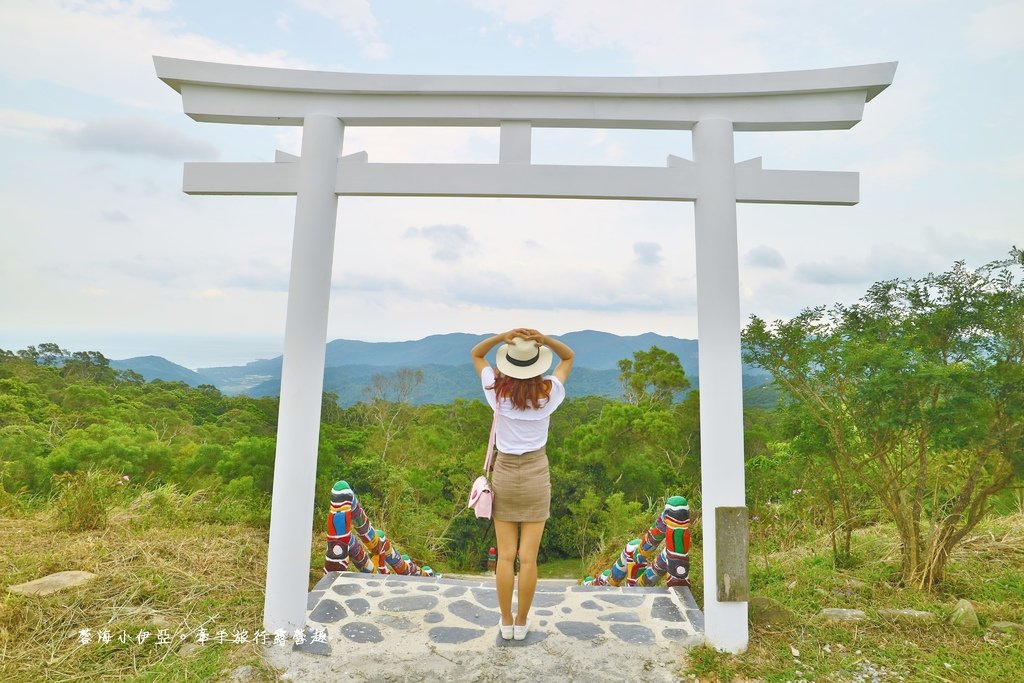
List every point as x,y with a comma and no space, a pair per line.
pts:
53,583
964,615
840,614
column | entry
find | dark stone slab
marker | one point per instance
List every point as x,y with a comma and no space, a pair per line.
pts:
623,600
675,633
551,589
325,583
619,589
327,611
696,618
313,643
408,579
633,633
375,583
486,597
396,622
453,592
543,612
359,606
454,634
687,597
547,599
433,617
428,587
312,599
361,632
621,617
375,594
580,630
532,638
666,610
456,582
566,610
398,591
543,622
408,604
464,609
346,588
590,604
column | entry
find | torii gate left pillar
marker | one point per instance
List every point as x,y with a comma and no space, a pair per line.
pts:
302,371
713,107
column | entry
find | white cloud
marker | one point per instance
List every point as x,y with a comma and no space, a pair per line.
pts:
448,242
660,36
765,257
837,272
996,30
115,216
22,123
136,136
647,253
106,49
356,19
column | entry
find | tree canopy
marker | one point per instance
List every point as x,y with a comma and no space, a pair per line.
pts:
915,395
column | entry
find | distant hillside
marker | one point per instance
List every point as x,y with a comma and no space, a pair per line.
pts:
443,359
441,383
155,367
603,350
445,383
594,351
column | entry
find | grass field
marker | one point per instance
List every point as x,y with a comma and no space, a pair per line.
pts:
170,564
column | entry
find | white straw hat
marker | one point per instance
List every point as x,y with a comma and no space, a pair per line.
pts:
523,358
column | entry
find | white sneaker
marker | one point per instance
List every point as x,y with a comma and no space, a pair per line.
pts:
519,632
507,631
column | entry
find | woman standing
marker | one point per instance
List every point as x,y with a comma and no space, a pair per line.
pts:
523,398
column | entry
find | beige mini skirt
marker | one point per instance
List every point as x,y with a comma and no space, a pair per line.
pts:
522,487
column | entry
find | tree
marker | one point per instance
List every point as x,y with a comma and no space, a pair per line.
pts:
388,399
653,376
918,391
644,447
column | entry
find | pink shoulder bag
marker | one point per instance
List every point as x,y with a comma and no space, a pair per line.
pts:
481,496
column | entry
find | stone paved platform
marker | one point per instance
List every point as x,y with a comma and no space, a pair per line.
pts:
442,628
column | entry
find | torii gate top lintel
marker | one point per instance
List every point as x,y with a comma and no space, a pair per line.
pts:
830,98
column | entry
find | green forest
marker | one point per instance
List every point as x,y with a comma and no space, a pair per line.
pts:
904,411
905,407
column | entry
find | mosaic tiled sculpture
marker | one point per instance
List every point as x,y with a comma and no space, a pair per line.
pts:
632,567
351,539
677,541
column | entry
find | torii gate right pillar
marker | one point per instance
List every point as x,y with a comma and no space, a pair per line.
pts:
721,392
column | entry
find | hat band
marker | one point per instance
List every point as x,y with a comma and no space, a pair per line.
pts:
523,363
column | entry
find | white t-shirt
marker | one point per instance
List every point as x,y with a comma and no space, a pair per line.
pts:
521,431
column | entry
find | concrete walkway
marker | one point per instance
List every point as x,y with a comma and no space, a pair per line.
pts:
376,627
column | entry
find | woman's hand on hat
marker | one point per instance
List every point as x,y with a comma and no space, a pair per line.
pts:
530,334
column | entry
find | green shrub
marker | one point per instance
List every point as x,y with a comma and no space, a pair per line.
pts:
83,499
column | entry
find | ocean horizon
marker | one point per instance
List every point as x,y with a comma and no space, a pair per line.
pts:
192,352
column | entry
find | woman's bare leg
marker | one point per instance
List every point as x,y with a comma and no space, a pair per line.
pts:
504,574
529,544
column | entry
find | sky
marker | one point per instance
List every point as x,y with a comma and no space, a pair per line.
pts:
101,250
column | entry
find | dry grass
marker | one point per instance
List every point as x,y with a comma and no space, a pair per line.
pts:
987,569
155,571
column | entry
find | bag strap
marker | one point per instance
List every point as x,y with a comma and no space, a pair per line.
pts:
489,458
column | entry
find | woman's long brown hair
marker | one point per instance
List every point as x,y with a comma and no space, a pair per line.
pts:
522,393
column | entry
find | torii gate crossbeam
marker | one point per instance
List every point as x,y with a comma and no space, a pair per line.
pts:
713,107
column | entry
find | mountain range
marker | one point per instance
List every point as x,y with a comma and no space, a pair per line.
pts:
443,360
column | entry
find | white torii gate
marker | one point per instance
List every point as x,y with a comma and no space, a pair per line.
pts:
713,107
